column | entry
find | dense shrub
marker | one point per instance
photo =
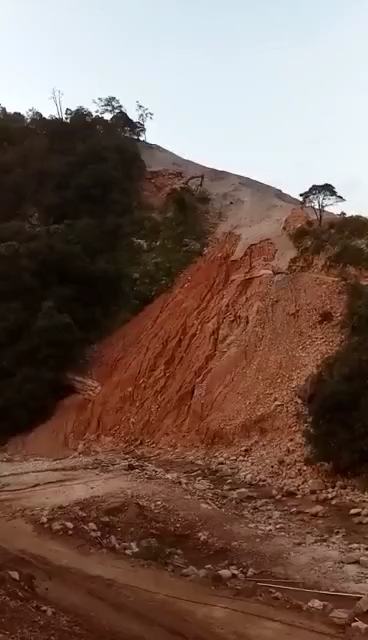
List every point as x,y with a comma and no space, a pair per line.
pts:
344,240
337,429
77,251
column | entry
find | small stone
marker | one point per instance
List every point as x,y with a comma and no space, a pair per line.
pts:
316,485
92,526
225,574
189,572
203,573
318,510
355,512
340,616
240,494
14,575
113,542
105,519
56,527
49,612
277,595
360,626
351,558
95,534
317,605
250,573
43,520
69,526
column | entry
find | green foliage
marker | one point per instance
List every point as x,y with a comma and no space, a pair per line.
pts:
167,243
319,197
337,431
344,241
77,253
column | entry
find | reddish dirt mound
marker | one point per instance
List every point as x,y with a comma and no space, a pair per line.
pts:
217,361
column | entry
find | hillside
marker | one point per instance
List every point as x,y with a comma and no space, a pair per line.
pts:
219,360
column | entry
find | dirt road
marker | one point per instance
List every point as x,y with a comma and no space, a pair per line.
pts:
110,594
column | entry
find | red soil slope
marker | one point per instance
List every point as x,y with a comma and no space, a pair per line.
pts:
216,362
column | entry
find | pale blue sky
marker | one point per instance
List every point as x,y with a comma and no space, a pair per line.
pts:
276,90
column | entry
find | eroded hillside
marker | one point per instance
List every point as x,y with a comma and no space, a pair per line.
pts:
221,359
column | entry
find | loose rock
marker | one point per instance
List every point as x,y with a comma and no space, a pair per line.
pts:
92,526
14,575
225,574
362,605
189,572
360,626
351,558
318,510
241,493
316,485
317,605
340,616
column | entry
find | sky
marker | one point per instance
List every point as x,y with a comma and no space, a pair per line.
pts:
276,90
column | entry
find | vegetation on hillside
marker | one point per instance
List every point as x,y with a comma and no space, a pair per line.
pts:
337,426
343,241
320,196
79,251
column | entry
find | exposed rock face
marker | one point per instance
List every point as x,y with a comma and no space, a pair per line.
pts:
214,362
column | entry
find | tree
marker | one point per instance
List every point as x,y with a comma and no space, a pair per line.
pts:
110,106
57,98
144,114
320,196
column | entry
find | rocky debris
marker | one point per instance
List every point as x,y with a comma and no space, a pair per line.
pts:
355,512
69,526
92,526
340,616
364,561
56,527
